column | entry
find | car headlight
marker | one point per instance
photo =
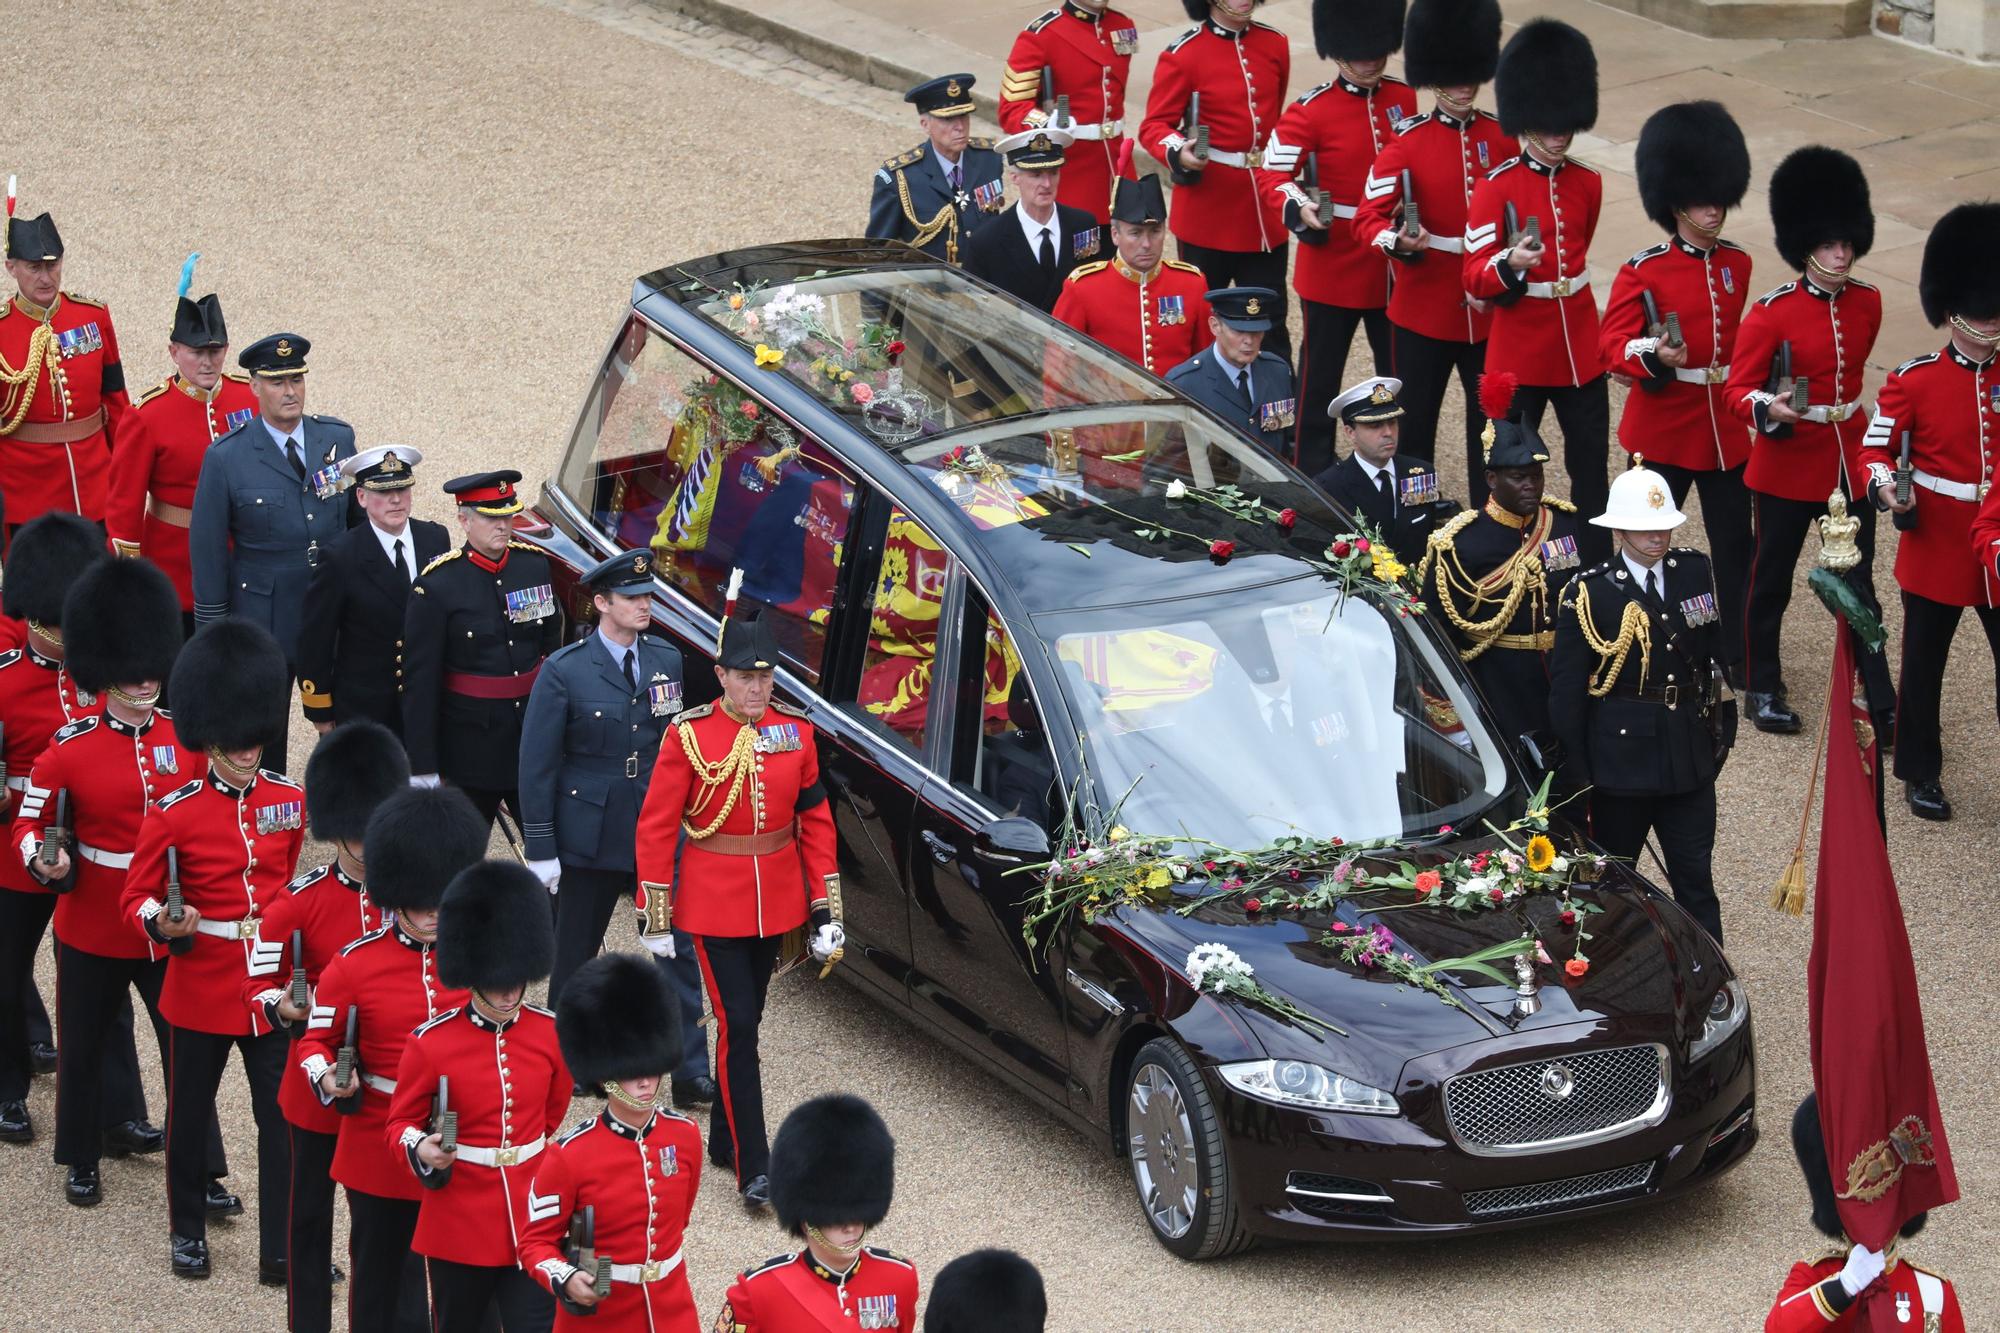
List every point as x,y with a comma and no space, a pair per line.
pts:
1296,1083
1728,1011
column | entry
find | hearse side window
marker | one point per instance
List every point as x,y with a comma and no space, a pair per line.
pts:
1000,742
898,660
673,457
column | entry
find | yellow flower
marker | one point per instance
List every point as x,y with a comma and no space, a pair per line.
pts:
1119,833
736,301
769,356
1159,878
1386,567
1541,853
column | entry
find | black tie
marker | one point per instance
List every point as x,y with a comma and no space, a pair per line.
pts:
631,675
402,565
1653,584
1048,252
1388,491
297,459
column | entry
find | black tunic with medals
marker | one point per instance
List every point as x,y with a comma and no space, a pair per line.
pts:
473,641
1418,509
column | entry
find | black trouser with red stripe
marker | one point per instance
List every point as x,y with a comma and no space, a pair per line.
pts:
385,1280
1725,513
1928,629
24,919
309,1232
1329,332
1425,366
194,1072
1781,528
463,1295
737,972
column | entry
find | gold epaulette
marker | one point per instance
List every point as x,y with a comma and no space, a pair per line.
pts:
789,710
979,141
81,299
514,545
448,555
903,159
1085,270
1182,265
1564,505
236,375
690,714
152,393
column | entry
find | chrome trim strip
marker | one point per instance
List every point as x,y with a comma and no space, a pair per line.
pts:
1337,1196
1096,994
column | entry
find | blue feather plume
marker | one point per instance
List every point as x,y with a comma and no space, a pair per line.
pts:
187,275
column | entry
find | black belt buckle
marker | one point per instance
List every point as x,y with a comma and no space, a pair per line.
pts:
632,765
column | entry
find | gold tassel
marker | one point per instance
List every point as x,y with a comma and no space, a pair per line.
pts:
1789,895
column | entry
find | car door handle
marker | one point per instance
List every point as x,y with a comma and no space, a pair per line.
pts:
942,849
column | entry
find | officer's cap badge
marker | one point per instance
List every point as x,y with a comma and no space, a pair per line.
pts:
1380,394
284,348
1656,497
1253,306
952,89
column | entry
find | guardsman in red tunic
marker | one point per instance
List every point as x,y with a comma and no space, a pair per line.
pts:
1824,322
231,836
1435,328
1948,404
1226,216
1329,138
387,982
159,458
1149,310
1852,1286
352,770
62,388
1086,47
1693,168
1545,326
741,777
833,1173
629,1175
497,1062
37,696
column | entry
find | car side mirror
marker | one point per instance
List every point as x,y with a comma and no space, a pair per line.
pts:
1012,841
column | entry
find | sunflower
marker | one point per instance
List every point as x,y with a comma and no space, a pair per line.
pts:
1541,853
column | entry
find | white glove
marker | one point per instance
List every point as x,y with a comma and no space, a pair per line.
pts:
548,872
827,940
423,779
660,946
1863,1266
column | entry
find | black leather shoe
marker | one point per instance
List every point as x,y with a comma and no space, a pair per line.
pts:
15,1126
42,1056
699,1091
190,1257
1927,800
720,1159
270,1272
757,1194
220,1202
1770,712
83,1188
133,1138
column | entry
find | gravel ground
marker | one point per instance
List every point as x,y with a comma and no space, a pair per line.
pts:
451,201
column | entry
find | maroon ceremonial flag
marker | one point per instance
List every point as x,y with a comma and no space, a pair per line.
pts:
1877,1104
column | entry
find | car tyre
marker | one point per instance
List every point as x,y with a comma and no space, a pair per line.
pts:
1174,1141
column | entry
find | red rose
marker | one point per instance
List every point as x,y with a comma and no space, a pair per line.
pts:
1341,550
1287,517
1576,967
1497,895
1428,881
895,348
1220,550
1341,927
1208,865
1361,545
1253,904
1569,918
750,410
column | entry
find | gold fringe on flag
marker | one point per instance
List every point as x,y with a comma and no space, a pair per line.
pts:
1789,894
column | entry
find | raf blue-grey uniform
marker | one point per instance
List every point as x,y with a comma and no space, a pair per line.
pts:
1267,411
588,743
914,199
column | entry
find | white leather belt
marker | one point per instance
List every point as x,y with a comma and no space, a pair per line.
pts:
1830,412
1251,159
1701,374
512,1156
17,784
640,1274
1560,288
1951,490
1340,210
1110,129
109,860
246,929
1450,245
385,1086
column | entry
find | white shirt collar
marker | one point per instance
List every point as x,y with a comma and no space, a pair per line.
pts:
1033,230
618,650
1640,571
388,542
279,437
1373,471
944,167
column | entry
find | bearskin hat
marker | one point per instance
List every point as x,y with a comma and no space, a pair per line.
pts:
618,1018
1546,81
1357,29
493,928
121,624
417,841
1819,194
1691,153
833,1162
45,557
230,687
1959,275
354,768
987,1291
1809,1145
1451,42
1197,10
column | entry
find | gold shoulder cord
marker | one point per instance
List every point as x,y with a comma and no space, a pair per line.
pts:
19,385
927,231
1525,575
733,768
1611,653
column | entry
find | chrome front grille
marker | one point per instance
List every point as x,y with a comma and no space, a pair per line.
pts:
1557,1193
1561,1102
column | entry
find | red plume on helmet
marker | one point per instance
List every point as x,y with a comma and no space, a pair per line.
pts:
1124,160
1496,393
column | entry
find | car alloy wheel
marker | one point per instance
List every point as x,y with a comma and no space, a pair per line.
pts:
1179,1168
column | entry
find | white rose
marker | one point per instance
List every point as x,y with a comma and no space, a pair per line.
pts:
1559,866
1177,490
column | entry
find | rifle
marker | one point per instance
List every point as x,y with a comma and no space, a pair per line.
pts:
1654,328
1511,221
301,989
1781,371
1412,226
54,838
1059,115
1905,474
176,904
444,1124
1320,202
1197,137
583,1253
3,762
343,1063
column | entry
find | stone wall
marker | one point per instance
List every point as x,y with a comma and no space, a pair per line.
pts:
1962,27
